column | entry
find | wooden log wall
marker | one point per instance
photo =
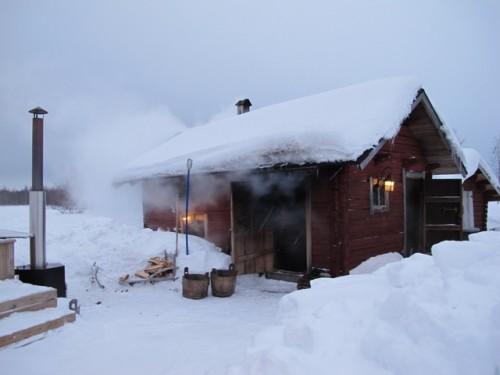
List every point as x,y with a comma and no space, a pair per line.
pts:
216,208
369,234
323,230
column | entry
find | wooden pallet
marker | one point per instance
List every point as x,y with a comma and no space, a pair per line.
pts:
37,329
30,302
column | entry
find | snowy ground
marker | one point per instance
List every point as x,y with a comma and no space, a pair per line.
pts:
421,315
142,329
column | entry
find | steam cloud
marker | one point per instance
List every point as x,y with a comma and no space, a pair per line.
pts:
112,139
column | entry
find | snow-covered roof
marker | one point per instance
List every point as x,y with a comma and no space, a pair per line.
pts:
334,126
474,162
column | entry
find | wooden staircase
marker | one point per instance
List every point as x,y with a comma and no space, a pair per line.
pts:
31,311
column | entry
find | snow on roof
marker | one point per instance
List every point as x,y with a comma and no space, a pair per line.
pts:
10,234
474,162
334,126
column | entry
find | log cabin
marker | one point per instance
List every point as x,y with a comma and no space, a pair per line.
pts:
325,181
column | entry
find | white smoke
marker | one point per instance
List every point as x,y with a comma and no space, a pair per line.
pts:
105,146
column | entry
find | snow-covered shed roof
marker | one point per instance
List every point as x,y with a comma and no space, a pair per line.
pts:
335,126
474,162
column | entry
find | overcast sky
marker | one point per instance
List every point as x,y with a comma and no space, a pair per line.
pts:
117,77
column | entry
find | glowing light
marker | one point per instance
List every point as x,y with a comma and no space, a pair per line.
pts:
388,185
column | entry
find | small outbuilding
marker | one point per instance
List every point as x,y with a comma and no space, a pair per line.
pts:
324,181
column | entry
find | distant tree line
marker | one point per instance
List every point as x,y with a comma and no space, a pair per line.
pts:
56,196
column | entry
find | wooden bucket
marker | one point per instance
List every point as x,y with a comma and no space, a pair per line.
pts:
223,281
194,285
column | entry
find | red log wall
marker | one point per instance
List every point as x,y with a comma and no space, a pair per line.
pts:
368,234
218,213
323,196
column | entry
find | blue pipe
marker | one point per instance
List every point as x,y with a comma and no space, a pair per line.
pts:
187,210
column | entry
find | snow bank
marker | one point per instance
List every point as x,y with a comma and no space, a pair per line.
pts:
425,314
124,330
12,289
79,239
328,127
374,263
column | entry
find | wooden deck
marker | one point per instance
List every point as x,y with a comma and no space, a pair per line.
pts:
36,329
30,302
31,314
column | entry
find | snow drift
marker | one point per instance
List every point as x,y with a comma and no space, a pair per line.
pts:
80,240
374,263
425,314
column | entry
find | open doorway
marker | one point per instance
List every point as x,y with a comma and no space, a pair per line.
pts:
269,227
414,210
288,223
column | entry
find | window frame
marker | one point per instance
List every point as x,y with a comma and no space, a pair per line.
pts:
377,207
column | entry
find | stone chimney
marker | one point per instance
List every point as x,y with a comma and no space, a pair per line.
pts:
243,106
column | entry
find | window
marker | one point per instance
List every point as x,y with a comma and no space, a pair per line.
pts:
379,197
197,224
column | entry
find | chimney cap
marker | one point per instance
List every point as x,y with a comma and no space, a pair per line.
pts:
244,102
38,111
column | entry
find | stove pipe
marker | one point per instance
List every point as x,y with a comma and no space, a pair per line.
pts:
37,196
243,106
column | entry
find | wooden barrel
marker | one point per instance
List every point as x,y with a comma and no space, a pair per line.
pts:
194,285
223,281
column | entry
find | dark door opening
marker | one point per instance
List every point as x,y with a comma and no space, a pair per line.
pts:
288,224
269,227
414,234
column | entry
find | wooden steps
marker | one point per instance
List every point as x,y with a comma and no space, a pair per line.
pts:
30,302
28,310
38,322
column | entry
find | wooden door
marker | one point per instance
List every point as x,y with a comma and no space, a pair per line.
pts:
442,211
252,240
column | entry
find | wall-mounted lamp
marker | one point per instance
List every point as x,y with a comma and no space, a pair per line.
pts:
389,184
385,180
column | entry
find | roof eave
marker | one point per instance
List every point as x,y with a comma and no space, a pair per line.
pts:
421,98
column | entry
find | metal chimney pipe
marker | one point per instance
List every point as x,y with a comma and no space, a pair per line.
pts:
37,196
243,106
39,272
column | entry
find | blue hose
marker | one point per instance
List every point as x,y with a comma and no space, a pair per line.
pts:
187,209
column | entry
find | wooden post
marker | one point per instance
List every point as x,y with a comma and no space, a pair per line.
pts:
7,259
